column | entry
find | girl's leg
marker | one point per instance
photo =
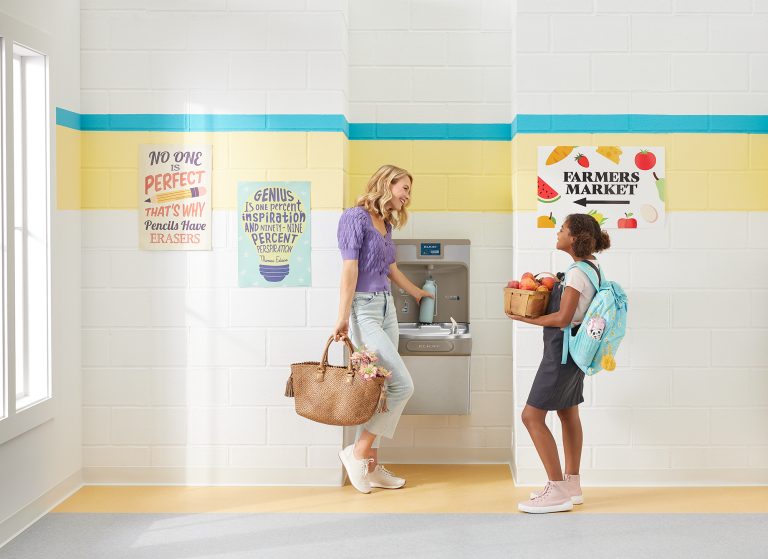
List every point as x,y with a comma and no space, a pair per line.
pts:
573,438
533,419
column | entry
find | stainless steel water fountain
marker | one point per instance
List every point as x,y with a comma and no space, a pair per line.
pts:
438,355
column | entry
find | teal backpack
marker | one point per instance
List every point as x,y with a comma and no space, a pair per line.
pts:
595,344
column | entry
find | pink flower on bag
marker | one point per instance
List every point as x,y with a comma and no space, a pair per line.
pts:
364,362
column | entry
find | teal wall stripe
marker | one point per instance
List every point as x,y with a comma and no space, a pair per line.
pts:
68,119
203,122
637,123
522,124
440,131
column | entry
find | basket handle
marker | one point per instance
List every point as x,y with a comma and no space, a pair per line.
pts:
546,274
324,359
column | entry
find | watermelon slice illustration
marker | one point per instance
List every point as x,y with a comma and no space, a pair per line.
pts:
547,194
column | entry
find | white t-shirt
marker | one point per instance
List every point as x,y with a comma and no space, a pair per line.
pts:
580,282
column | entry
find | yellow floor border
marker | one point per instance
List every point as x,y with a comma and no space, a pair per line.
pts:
430,489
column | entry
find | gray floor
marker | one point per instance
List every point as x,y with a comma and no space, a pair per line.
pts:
366,536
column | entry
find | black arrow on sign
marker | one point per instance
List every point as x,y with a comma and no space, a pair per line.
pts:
584,202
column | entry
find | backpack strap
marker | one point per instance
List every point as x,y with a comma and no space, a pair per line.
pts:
592,272
566,338
594,275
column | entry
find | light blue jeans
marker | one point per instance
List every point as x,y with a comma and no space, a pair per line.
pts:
373,323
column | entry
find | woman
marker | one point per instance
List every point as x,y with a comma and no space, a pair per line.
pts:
367,312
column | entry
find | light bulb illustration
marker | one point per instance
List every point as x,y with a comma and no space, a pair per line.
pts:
274,218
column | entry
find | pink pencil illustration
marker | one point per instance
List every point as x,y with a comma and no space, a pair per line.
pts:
177,195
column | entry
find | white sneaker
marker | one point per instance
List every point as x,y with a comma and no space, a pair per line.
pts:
572,485
357,469
382,477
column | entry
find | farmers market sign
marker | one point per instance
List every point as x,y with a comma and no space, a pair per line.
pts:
621,187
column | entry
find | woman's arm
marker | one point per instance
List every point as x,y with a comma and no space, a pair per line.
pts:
399,279
559,319
346,293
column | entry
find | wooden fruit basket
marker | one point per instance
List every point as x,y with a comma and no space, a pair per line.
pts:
529,304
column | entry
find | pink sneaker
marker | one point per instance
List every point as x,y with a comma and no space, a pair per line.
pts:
554,498
572,484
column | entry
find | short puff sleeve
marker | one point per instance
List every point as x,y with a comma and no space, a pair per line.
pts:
577,279
351,232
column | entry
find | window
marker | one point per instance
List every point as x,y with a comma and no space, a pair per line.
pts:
25,218
30,226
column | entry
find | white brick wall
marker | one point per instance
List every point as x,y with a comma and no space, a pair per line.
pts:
210,350
657,57
687,401
427,62
237,57
184,369
156,358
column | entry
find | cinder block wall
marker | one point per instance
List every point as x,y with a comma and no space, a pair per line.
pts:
183,371
687,402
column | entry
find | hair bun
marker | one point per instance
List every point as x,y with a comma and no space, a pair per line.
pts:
604,243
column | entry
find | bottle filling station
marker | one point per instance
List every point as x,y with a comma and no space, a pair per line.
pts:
435,341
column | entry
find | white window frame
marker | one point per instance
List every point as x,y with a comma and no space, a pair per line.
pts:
16,420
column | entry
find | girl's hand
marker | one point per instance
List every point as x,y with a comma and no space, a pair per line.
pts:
341,330
512,316
423,294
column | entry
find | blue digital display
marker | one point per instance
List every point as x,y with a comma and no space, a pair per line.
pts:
431,249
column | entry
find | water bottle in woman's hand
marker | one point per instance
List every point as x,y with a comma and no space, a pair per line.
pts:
427,304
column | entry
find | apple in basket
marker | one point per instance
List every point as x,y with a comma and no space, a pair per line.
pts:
528,284
513,284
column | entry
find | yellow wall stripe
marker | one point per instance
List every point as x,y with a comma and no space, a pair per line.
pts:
705,172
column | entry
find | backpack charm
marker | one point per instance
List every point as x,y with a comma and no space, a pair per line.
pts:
596,327
608,362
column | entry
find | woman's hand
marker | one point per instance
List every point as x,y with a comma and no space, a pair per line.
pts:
341,330
421,294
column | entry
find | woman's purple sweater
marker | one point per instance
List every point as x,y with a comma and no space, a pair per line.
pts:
359,240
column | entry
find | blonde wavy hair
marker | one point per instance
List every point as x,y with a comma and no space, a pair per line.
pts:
378,193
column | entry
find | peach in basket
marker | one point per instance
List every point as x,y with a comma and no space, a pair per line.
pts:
531,298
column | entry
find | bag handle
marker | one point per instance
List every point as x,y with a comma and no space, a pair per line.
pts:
324,359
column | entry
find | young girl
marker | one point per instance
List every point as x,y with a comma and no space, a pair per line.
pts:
367,311
556,386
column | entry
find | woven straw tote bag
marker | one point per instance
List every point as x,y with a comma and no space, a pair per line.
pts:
334,395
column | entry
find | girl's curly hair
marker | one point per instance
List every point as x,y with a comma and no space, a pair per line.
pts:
587,235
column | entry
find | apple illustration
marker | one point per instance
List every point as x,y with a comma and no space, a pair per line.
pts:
645,160
628,222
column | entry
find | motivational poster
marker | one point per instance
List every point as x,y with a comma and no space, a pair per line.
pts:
621,187
174,197
274,234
